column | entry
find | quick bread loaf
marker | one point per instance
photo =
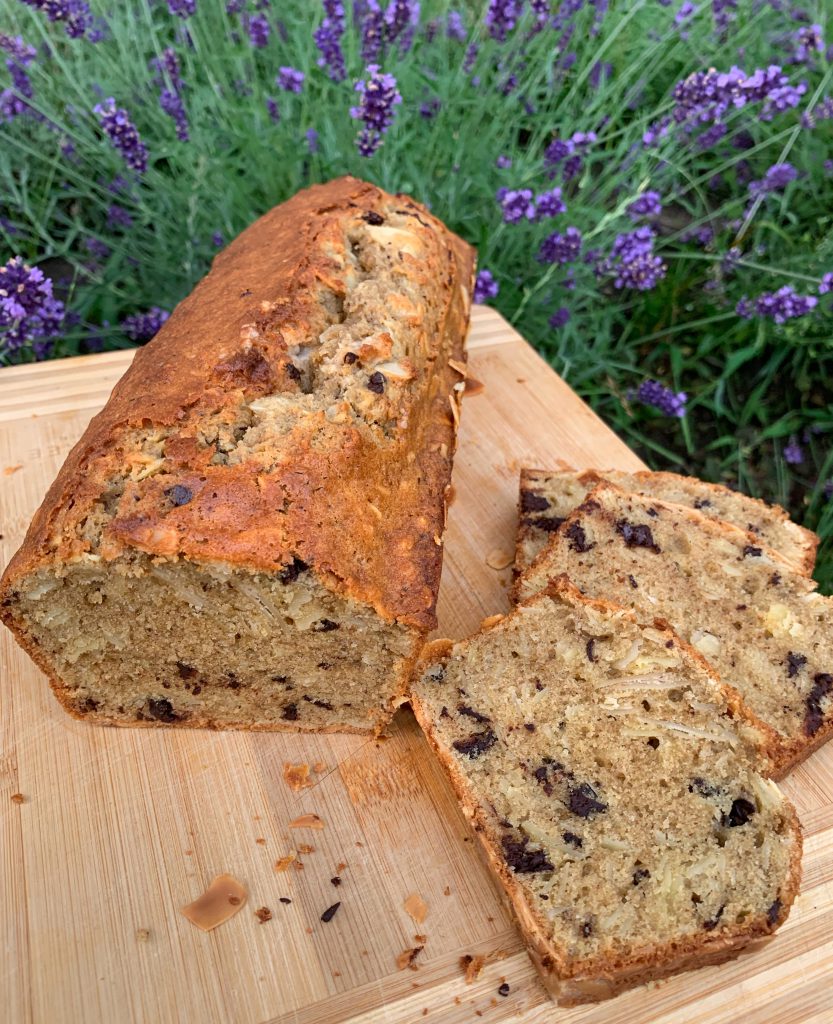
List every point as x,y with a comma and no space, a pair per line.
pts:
613,784
547,497
250,533
760,624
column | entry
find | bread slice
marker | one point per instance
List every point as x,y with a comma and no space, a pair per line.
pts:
761,625
547,497
613,784
249,534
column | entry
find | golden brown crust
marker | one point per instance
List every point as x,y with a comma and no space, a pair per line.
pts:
593,978
201,364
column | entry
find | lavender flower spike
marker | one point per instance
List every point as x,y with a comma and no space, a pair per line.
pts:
29,314
651,392
75,14
141,327
290,80
379,95
517,204
122,133
182,8
328,40
647,205
501,18
259,30
485,286
826,283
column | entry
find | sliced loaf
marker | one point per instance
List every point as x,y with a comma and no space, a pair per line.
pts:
762,625
612,783
547,497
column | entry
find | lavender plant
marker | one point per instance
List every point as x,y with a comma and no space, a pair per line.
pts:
648,185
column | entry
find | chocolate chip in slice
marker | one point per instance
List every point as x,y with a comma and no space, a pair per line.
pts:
577,538
376,383
531,502
476,744
583,801
637,535
795,663
740,813
524,861
179,494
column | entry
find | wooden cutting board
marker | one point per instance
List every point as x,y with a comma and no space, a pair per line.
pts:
119,828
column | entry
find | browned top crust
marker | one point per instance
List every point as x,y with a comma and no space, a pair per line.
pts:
355,493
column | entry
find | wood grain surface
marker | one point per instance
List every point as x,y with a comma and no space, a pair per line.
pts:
118,829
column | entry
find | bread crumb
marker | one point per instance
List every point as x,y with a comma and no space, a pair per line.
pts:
471,966
220,902
260,841
474,387
284,863
296,776
18,798
340,867
416,907
319,767
142,934
447,891
336,974
421,939
263,914
461,368
305,848
407,957
307,821
12,469
500,559
491,620
298,865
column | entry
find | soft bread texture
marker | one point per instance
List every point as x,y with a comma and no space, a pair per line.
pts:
250,532
547,497
612,782
760,624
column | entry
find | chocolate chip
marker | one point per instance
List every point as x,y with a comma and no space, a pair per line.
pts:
740,813
653,742
185,671
529,726
542,775
162,710
504,989
476,744
318,703
330,912
774,912
549,524
88,705
740,607
179,494
531,502
376,383
521,860
350,358
279,679
637,535
372,217
539,685
698,785
436,673
653,512
290,713
291,572
292,371
587,929
284,899
444,713
750,551
590,648
335,880
464,709
795,663
233,683
632,581
702,503
572,839
326,626
814,716
712,924
775,579
640,875
577,538
582,801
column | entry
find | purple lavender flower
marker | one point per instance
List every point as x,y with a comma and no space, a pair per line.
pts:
311,135
670,403
684,15
516,204
558,248
454,26
141,327
13,102
97,249
559,318
430,108
549,204
328,40
118,217
723,15
470,58
373,31
705,97
401,20
259,30
217,240
808,41
776,179
573,167
793,453
503,162
169,79
783,305
485,286
379,95
569,151
826,284
75,14
122,133
29,313
632,261
234,7
730,261
290,80
501,18
602,71
745,309
182,8
273,109
646,205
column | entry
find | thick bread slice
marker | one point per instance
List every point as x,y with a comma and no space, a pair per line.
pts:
249,534
547,497
761,625
612,783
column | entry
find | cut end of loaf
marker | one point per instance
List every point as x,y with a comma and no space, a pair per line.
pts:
613,784
137,642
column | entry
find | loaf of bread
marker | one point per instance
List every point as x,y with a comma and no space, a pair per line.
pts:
250,533
760,624
547,497
613,785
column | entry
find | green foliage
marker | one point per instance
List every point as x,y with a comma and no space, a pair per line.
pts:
753,385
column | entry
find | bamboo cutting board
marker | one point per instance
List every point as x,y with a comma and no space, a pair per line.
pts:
120,828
